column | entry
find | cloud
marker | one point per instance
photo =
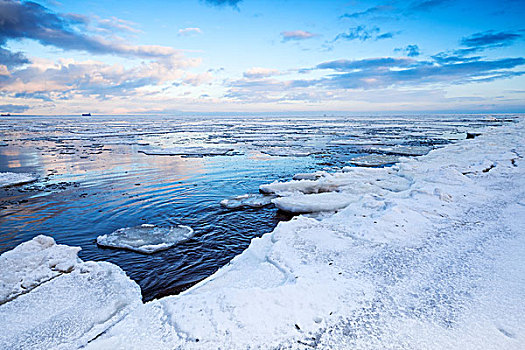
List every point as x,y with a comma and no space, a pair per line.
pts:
10,108
370,11
388,72
232,3
297,35
363,33
12,59
19,20
189,31
409,50
490,39
426,5
258,72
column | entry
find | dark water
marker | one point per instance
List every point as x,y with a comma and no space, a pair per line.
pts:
93,180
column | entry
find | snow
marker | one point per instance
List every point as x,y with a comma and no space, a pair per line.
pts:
428,254
185,151
312,203
247,201
33,263
146,238
56,301
11,179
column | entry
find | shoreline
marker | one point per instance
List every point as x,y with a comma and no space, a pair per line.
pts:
412,262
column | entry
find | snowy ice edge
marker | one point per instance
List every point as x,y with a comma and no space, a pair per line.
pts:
252,300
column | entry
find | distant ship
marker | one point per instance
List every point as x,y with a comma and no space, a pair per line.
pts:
86,114
5,114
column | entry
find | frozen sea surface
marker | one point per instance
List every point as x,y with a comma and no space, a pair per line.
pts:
93,179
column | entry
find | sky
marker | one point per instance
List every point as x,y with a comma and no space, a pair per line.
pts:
255,56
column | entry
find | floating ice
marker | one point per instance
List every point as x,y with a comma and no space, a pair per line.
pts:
146,238
374,160
401,150
287,152
247,200
310,176
11,179
312,203
186,151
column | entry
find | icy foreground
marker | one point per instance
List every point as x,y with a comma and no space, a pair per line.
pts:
11,179
50,299
146,238
427,254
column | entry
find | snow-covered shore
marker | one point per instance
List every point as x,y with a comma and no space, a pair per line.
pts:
425,254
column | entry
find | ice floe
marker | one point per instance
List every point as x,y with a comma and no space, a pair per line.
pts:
185,151
146,238
247,201
12,179
374,160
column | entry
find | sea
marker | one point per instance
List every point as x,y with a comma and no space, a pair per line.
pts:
96,174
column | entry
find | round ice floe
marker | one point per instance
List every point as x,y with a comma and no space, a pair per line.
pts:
146,238
247,200
11,179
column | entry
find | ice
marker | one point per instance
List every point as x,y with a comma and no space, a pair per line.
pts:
247,201
186,151
11,179
146,238
310,176
312,203
287,152
53,300
33,263
374,160
401,150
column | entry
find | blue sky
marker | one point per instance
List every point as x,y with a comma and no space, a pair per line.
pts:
67,57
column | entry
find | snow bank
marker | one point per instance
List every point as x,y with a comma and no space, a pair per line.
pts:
33,263
53,300
11,179
312,203
146,238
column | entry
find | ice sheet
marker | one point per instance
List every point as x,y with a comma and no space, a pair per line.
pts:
247,201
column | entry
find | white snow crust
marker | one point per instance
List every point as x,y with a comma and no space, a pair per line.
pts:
53,300
11,179
146,238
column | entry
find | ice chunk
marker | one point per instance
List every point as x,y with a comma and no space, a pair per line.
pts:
146,238
247,200
374,160
312,203
185,151
70,310
11,179
33,263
